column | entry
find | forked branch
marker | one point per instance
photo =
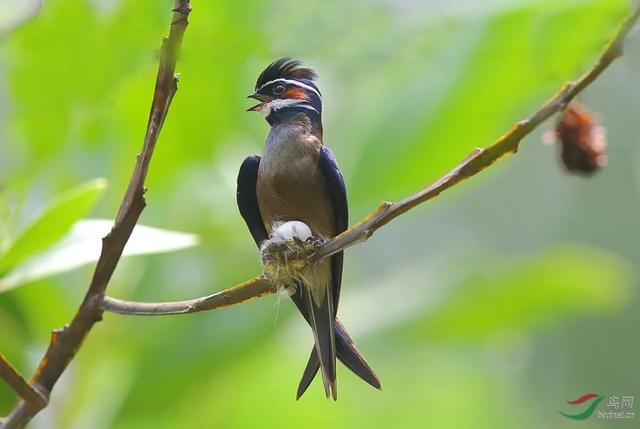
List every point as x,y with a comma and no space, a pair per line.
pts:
476,161
65,342
21,386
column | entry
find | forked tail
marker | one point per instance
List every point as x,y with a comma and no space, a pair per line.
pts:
348,354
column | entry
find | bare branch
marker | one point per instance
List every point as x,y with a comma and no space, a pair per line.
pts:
65,342
21,386
478,160
256,287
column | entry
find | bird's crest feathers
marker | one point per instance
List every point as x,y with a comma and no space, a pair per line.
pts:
285,68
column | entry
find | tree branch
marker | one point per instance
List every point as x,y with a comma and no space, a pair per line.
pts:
478,160
256,287
65,342
21,386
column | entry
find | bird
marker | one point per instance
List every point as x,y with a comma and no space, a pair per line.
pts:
297,179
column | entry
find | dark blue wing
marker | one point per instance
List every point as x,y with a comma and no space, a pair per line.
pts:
338,195
248,200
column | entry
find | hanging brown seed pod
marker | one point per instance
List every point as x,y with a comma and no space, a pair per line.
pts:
582,140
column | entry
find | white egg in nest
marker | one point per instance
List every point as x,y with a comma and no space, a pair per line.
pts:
288,230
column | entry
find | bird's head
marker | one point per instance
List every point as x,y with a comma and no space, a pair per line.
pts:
285,90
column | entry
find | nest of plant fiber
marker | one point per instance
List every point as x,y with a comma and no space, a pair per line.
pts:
284,262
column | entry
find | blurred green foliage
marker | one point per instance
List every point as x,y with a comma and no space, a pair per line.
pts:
52,224
58,240
490,308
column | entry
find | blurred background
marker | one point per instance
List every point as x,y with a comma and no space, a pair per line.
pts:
488,307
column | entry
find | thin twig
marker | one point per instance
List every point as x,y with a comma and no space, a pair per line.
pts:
479,159
256,287
65,342
476,161
21,386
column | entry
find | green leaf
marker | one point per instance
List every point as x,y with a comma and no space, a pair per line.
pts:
53,223
83,245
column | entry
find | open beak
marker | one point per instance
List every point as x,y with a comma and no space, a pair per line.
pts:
260,97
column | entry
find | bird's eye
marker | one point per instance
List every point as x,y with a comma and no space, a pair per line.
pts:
278,89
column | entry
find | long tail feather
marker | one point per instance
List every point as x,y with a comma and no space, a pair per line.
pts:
348,354
310,371
322,324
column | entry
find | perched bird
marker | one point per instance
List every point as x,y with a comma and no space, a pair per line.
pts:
297,179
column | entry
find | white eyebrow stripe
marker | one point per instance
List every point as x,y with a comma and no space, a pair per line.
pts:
292,82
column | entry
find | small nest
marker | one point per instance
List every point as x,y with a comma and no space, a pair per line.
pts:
284,263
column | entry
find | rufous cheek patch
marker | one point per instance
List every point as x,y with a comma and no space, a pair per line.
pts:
296,93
